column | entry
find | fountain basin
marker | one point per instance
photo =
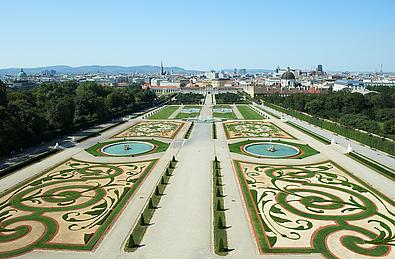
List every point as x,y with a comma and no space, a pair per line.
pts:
262,149
134,148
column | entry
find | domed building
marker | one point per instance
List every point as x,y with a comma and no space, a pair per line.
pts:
21,76
288,79
22,81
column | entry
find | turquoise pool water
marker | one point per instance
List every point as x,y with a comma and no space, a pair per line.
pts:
127,148
222,110
262,149
190,110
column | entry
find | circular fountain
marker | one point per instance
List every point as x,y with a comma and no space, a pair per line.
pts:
127,148
271,150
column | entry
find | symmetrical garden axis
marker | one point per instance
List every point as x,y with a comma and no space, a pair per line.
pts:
67,207
316,208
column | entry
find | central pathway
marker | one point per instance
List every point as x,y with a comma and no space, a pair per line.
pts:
182,226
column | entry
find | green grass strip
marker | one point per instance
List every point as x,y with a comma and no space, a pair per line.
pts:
310,133
165,113
248,113
219,219
189,131
214,132
382,169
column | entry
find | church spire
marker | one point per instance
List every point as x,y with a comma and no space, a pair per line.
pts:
162,71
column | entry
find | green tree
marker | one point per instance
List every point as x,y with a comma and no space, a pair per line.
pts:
3,93
60,112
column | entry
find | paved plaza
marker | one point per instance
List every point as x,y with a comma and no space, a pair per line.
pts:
84,203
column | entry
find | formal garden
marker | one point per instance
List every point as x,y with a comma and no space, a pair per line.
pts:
67,207
163,129
253,129
316,208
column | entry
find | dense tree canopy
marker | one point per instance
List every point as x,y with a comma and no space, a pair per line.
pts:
188,98
29,117
229,98
373,112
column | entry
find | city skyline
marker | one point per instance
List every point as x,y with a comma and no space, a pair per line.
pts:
350,36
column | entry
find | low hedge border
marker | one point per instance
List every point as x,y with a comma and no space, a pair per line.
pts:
189,131
219,220
371,140
382,169
139,229
214,131
310,133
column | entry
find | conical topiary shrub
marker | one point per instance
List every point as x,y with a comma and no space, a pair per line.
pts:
219,194
151,204
219,206
221,246
157,191
163,181
220,224
142,220
131,243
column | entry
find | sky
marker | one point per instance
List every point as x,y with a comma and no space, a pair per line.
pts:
342,35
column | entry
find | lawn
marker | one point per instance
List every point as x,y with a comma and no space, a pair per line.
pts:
184,115
248,113
224,115
165,113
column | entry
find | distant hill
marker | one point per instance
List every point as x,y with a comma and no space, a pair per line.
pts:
249,70
97,68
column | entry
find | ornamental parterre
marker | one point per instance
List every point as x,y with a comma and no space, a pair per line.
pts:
68,207
164,129
316,208
251,129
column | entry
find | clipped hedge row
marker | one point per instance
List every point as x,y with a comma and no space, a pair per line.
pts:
214,130
375,166
310,133
135,238
219,220
189,131
362,137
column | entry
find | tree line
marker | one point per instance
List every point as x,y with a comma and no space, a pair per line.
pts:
52,109
373,112
229,98
188,98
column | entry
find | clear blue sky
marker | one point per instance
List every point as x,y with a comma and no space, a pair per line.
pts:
353,35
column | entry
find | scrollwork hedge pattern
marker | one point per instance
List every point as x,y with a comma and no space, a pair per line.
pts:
317,208
68,207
